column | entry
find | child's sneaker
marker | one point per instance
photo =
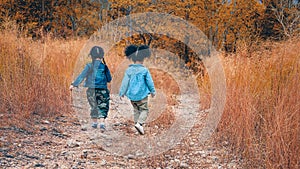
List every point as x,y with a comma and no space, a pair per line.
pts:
94,125
102,126
139,128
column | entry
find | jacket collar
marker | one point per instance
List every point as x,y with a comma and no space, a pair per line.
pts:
136,65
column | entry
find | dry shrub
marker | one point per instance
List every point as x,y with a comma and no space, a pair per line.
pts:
34,77
261,118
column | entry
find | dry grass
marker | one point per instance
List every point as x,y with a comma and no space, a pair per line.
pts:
261,118
262,114
34,76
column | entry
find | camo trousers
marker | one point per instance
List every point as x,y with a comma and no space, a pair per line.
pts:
99,102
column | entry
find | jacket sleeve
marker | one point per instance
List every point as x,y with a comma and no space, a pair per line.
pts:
150,82
81,76
108,75
124,85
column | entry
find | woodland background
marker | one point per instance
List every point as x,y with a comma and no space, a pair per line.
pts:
259,42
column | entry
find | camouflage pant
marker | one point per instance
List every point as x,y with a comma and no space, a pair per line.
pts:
99,102
140,110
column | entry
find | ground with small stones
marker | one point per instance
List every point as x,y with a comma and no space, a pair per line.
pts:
67,142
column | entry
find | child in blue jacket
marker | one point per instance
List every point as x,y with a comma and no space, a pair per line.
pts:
137,84
96,75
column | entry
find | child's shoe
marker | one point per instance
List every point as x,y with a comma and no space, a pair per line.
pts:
139,128
102,126
94,125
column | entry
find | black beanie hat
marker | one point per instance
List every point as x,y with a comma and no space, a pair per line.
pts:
97,52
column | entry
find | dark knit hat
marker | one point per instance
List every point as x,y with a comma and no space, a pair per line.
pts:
97,52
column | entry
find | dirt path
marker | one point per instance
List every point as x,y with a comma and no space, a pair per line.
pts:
70,142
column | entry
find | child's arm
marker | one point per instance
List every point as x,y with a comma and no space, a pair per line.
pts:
150,84
108,75
124,85
80,77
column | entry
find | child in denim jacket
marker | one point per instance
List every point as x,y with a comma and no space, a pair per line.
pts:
96,75
137,84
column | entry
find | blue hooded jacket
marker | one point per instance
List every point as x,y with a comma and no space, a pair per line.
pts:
97,76
137,83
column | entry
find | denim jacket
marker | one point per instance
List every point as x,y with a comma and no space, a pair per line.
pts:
137,83
96,76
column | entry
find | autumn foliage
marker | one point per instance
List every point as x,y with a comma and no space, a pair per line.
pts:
224,22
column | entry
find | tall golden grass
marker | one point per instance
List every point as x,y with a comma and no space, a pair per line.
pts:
34,76
261,118
262,113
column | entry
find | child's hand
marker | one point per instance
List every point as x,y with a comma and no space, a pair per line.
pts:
152,95
121,97
71,87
